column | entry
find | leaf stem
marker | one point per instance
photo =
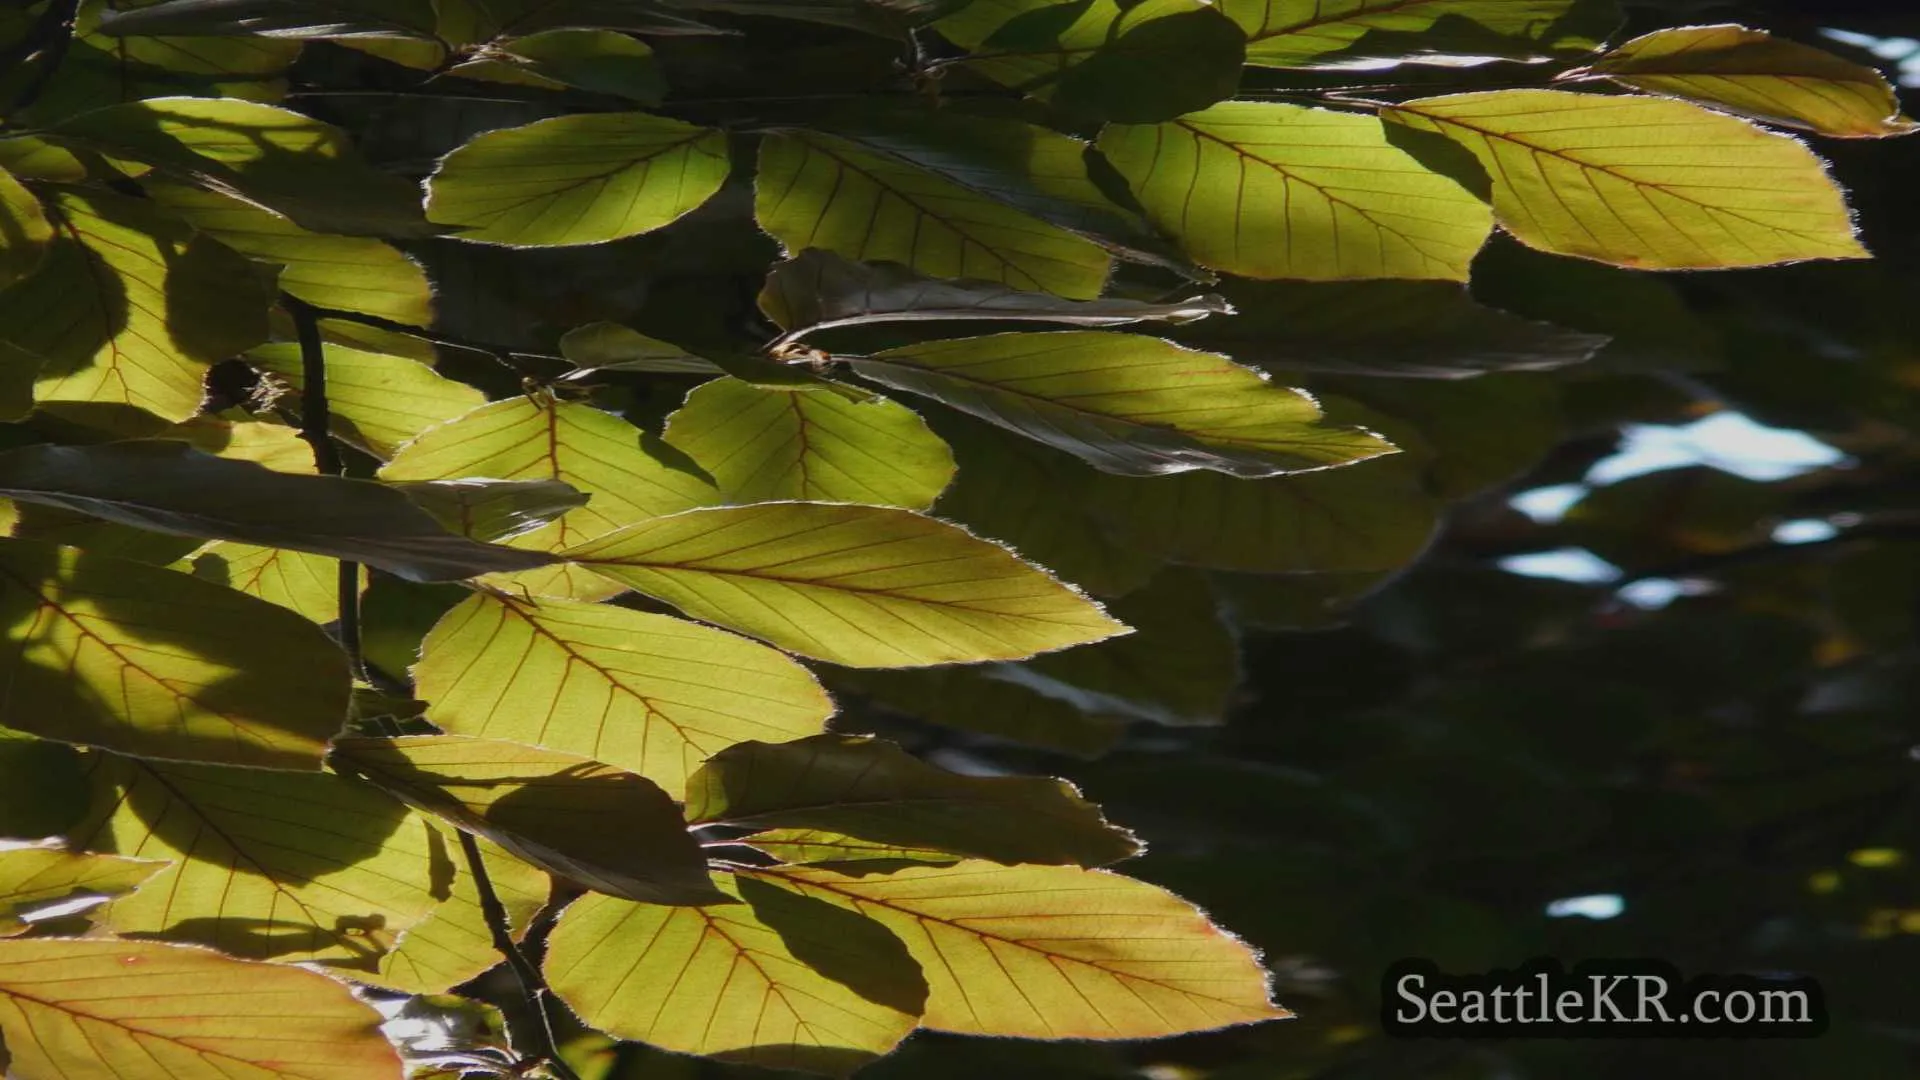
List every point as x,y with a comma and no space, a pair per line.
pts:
315,423
533,987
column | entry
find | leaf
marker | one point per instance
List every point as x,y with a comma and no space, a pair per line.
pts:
493,509
818,290
295,580
1126,403
345,273
1281,191
889,17
288,18
870,789
1373,33
1373,516
171,487
778,981
454,944
112,653
376,401
277,159
1052,952
551,809
95,1009
1411,329
598,61
472,22
612,347
296,867
581,179
643,692
1755,74
807,846
39,877
131,306
576,444
763,444
863,586
1642,182
44,791
18,367
25,233
821,191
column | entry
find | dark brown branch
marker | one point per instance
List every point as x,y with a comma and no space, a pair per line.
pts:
315,428
533,986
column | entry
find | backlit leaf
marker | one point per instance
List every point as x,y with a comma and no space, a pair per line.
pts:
453,943
172,487
25,232
870,789
763,444
822,191
493,509
1643,182
1282,191
780,980
803,846
863,586
1052,952
591,450
295,580
377,402
580,179
267,865
1126,403
148,661
600,61
648,693
551,809
99,1010
131,306
33,878
1371,33
611,347
1756,74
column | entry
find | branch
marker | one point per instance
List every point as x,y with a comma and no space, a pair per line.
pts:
533,986
501,355
315,419
44,44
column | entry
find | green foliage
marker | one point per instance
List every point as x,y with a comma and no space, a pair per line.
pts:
624,489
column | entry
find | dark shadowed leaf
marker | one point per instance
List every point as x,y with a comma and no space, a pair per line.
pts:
1159,69
1370,33
290,18
25,232
493,509
972,699
612,347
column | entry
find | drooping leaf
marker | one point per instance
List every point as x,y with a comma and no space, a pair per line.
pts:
283,161
1052,952
763,444
295,580
612,347
872,790
1372,33
1753,73
1126,403
34,878
1648,183
971,699
648,693
1419,329
288,18
25,232
594,451
131,306
1282,191
86,1009
346,273
493,509
863,586
608,829
377,401
818,290
454,944
112,653
779,980
806,846
580,179
266,865
822,191
171,487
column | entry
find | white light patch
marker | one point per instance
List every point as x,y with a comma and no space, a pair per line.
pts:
1597,906
1578,565
1652,594
1726,441
1804,531
1547,505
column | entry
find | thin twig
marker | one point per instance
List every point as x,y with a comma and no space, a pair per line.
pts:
502,356
533,987
315,423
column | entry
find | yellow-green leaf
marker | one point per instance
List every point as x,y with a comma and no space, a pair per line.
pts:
25,232
1753,73
1126,403
454,944
130,306
594,451
580,179
551,809
803,846
295,580
266,865
863,586
147,661
32,878
1643,182
1283,191
1368,33
1053,952
347,273
764,443
377,401
822,191
649,693
779,980
109,1010
873,790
